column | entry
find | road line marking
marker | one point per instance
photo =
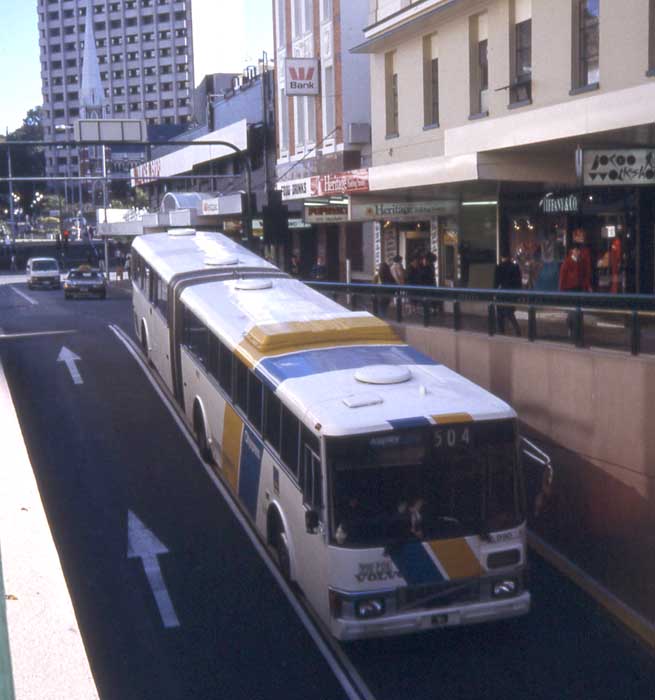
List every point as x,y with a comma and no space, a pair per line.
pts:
22,294
11,336
70,358
639,625
339,663
142,543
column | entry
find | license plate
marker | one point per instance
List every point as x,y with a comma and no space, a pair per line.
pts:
439,620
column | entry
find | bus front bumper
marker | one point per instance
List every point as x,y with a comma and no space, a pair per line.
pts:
425,620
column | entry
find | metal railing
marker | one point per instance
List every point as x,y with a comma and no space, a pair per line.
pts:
622,322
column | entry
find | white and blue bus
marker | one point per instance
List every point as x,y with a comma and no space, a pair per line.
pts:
388,487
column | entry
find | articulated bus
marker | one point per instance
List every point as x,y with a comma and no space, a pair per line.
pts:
388,487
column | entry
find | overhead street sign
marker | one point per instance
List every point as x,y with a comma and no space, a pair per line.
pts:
128,130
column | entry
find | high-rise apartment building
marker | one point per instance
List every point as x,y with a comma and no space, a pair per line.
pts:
145,54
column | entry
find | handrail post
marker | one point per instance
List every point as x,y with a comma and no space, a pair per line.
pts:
457,316
532,323
578,328
426,313
399,307
635,333
376,304
491,318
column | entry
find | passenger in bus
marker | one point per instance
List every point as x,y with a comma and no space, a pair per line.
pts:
351,521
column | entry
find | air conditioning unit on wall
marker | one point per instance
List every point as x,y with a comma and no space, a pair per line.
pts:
359,133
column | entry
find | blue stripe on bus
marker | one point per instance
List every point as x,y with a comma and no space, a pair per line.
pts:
250,470
275,370
415,422
415,564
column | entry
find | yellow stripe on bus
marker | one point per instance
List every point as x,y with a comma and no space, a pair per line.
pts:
446,418
232,427
280,338
457,558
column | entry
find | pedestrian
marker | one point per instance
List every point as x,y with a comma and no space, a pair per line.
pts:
427,274
294,265
413,272
119,267
507,275
384,276
128,265
397,270
319,271
12,262
574,275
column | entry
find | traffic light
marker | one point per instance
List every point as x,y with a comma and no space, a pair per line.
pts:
275,220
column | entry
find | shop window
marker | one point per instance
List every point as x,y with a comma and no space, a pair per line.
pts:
355,247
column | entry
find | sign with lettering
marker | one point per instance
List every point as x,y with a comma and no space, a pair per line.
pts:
302,76
341,183
564,204
401,211
295,189
327,214
616,167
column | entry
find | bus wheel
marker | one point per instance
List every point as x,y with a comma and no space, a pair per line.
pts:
201,438
283,559
144,341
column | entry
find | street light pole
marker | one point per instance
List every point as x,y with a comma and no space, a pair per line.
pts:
12,222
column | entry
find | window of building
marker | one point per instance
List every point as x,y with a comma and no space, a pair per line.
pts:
164,17
587,18
116,40
391,93
302,17
280,24
164,34
521,83
430,81
115,24
329,104
479,62
180,33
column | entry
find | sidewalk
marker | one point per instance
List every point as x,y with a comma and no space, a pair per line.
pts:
45,655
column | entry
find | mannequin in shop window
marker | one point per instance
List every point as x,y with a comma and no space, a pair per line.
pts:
575,273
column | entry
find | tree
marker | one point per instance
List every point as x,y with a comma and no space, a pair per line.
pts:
26,161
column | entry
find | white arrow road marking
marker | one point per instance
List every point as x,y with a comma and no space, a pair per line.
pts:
22,294
142,543
70,358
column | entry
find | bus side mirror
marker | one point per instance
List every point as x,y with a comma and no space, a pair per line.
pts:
311,521
539,457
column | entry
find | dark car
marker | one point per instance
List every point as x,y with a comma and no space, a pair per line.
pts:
85,282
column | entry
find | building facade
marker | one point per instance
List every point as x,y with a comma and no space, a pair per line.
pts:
518,126
323,139
145,54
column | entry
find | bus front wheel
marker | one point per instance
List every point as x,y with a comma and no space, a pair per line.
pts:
283,559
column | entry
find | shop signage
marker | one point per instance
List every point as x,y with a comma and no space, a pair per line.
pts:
222,206
377,244
620,167
341,183
327,214
302,76
401,211
564,204
348,182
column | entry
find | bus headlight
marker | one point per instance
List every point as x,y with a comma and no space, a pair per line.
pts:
505,588
373,607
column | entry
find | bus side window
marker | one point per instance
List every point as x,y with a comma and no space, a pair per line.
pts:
310,479
290,439
255,400
272,418
212,363
152,282
240,384
161,296
196,336
225,368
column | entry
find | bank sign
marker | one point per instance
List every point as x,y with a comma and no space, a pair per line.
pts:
619,167
301,76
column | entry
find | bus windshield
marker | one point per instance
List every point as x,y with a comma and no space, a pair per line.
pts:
426,484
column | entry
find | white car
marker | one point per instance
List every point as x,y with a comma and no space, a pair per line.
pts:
43,272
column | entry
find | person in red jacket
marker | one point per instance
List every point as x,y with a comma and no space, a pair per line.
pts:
575,275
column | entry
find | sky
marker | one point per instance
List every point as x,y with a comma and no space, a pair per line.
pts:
228,35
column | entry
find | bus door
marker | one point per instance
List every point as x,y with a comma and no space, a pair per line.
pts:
312,554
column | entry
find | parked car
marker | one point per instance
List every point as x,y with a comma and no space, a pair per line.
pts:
84,281
43,272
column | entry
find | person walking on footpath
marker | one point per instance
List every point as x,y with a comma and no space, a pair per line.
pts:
507,275
397,270
319,271
384,276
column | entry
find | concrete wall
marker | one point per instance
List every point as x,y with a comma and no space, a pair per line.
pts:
624,61
590,409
